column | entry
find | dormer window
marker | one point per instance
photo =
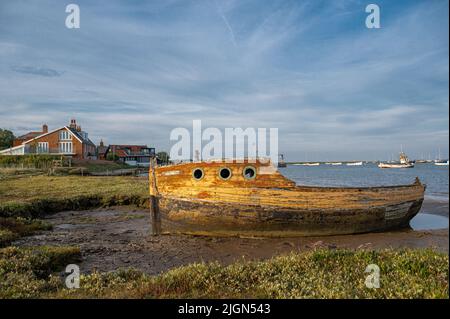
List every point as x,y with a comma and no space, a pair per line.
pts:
64,135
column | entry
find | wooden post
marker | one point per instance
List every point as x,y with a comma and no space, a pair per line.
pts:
155,215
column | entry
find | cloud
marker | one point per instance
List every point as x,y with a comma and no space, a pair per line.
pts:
47,72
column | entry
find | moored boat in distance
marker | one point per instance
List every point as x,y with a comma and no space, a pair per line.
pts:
395,165
281,161
354,164
441,163
336,163
252,198
306,164
404,163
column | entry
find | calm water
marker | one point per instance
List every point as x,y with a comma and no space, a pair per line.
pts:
435,177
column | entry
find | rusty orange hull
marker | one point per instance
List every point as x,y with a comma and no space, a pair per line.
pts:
266,203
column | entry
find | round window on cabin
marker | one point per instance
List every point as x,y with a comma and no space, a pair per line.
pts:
249,172
225,173
198,173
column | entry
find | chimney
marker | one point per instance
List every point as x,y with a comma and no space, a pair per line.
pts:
44,128
73,124
78,128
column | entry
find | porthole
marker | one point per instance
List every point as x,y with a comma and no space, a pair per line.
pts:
225,173
198,174
249,172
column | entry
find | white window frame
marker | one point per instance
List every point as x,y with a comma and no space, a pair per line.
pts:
42,147
64,135
66,147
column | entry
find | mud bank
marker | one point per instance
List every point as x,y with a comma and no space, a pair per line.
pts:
113,238
435,207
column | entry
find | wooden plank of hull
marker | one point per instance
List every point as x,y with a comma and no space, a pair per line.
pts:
208,218
272,205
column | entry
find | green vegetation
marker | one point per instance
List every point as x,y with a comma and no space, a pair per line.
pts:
40,161
14,228
35,196
314,274
33,164
6,138
101,166
112,157
29,272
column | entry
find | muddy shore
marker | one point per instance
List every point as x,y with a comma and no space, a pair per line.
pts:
114,238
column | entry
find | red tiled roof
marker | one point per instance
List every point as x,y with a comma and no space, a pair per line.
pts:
121,153
29,136
128,150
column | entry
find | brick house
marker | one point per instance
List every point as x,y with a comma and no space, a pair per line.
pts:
101,151
68,140
134,155
30,135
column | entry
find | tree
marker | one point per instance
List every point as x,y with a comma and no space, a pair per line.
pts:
6,139
163,157
112,157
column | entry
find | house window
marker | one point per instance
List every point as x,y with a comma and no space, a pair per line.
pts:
42,147
64,135
65,147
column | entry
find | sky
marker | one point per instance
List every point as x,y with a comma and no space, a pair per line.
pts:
135,70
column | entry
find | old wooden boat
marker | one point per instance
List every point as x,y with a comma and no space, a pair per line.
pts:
251,198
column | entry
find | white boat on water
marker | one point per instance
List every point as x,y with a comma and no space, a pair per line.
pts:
441,163
306,164
355,164
336,164
396,165
404,163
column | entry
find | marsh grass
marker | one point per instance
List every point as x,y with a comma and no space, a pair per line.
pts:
14,228
313,274
36,196
30,272
101,166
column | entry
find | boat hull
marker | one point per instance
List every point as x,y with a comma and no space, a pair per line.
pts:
384,165
227,219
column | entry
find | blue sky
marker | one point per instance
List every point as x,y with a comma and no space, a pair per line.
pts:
137,69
